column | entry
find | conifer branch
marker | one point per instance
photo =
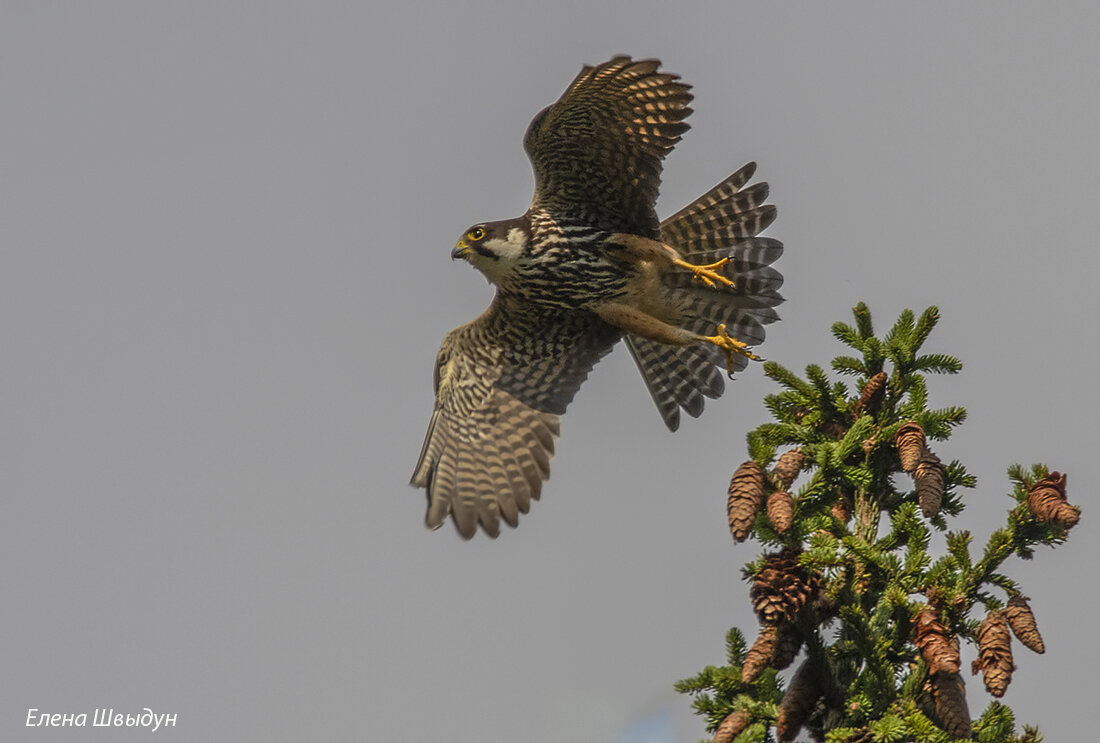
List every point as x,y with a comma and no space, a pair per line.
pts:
877,616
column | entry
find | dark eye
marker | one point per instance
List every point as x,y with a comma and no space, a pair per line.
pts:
477,233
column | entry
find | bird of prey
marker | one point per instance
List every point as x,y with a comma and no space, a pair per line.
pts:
589,264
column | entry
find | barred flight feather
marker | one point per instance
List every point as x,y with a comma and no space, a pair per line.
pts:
567,292
722,223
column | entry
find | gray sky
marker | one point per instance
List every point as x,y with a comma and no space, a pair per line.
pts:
225,275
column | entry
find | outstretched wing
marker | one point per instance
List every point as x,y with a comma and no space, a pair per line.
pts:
597,152
501,384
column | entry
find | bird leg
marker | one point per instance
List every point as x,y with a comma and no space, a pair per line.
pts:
729,346
635,248
707,274
632,320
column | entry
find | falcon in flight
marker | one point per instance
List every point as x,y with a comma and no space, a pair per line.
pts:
589,264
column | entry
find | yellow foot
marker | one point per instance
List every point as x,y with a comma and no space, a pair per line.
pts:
731,347
707,274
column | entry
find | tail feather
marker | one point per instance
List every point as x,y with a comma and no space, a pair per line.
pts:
707,313
728,207
744,253
722,193
677,377
717,222
713,234
755,287
722,223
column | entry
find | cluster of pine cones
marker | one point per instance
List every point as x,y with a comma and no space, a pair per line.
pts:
784,588
945,697
749,482
781,591
746,494
925,467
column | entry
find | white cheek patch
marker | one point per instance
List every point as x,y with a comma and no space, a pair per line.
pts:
506,252
511,247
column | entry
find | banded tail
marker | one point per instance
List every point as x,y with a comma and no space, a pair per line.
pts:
722,223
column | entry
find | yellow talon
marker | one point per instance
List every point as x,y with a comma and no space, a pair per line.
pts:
707,274
731,347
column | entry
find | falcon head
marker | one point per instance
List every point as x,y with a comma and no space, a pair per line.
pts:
494,248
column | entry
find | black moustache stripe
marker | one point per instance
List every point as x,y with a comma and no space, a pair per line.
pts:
482,250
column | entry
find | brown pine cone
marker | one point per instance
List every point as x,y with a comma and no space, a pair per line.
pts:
1047,500
787,468
746,493
782,587
786,650
1022,621
732,726
994,654
938,647
910,442
798,702
949,698
842,508
925,702
928,476
780,510
871,397
760,654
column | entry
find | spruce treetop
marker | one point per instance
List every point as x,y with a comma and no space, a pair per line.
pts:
843,489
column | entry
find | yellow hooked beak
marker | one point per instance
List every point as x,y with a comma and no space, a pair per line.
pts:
462,249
